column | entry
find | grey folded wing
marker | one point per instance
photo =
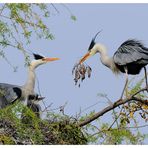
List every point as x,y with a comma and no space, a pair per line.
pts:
9,93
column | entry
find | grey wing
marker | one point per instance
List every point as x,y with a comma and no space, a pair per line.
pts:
131,51
9,92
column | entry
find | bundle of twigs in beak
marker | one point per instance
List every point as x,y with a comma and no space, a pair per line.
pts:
80,71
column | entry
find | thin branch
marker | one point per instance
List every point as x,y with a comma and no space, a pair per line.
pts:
66,8
89,107
46,107
113,106
55,8
8,44
116,118
23,21
130,127
1,10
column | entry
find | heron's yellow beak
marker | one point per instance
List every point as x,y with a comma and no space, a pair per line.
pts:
85,57
50,59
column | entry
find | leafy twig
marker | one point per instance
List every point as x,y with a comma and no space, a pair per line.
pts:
113,106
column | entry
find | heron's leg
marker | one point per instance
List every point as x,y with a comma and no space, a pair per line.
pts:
126,81
145,72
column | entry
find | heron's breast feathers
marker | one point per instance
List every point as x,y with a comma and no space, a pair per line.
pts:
115,69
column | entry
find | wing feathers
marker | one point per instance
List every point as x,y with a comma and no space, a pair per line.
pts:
9,92
131,51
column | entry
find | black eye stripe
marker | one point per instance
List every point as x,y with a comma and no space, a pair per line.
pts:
37,56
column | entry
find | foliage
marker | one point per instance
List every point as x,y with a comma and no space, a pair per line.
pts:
17,130
131,108
20,22
118,132
19,125
124,125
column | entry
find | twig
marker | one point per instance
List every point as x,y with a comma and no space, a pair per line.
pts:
66,8
1,10
62,107
31,23
55,8
130,127
111,107
46,107
8,44
89,107
116,118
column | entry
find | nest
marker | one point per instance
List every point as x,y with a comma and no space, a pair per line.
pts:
80,72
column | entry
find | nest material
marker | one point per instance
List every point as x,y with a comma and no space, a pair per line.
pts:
80,71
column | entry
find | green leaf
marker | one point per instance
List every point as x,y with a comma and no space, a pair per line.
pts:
73,17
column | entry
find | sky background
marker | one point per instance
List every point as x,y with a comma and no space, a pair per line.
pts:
118,23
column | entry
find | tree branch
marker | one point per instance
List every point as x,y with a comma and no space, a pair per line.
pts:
113,106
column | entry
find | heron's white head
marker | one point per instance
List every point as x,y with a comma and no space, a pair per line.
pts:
89,54
93,49
40,60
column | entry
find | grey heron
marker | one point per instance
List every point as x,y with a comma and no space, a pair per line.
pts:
10,93
129,58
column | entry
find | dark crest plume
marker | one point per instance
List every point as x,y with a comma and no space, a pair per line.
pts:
37,56
93,41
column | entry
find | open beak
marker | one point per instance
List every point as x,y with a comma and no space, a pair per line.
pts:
85,57
50,59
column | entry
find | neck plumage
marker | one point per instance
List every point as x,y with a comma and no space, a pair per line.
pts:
105,59
30,83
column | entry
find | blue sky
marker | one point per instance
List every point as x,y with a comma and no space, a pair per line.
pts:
119,22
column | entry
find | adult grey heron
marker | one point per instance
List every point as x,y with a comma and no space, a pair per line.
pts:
130,58
10,93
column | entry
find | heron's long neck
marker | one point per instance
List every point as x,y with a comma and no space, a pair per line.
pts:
105,59
30,83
